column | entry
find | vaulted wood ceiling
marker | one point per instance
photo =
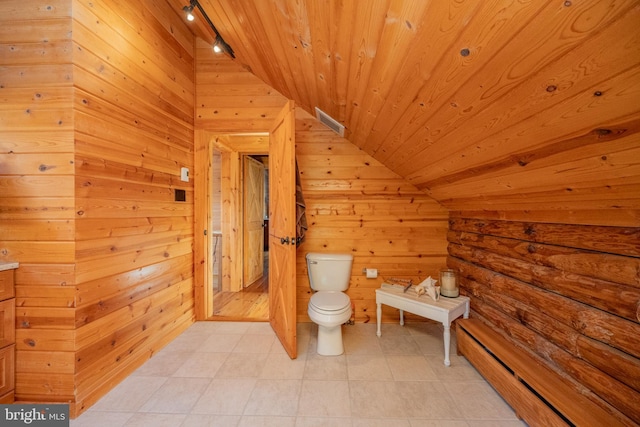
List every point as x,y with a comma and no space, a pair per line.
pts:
487,105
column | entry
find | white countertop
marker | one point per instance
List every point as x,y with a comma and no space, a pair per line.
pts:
8,265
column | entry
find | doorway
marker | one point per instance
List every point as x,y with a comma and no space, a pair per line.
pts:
279,143
239,286
248,297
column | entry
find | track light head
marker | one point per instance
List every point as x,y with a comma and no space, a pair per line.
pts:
188,10
218,45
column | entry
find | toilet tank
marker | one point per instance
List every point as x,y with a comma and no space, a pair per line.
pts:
329,272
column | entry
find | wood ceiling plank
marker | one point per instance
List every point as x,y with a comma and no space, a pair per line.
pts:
484,30
618,100
367,30
435,35
320,26
618,168
276,50
397,40
341,34
240,27
482,114
593,145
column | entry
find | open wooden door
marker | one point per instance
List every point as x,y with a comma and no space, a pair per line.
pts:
253,221
282,230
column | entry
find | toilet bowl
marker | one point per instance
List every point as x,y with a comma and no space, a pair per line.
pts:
329,307
329,310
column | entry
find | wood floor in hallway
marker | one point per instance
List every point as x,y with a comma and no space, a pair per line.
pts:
250,304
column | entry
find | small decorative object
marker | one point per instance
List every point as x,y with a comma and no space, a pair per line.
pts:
427,286
395,283
432,291
449,283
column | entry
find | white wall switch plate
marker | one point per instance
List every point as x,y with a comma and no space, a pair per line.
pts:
184,174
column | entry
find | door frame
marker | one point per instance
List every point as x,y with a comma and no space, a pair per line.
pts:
282,280
233,145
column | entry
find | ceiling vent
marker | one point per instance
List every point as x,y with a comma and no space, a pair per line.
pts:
330,122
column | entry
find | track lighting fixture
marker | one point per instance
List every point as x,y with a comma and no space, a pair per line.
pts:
188,10
219,45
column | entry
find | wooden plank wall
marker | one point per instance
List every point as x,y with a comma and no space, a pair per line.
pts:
37,208
230,98
134,110
354,204
97,120
569,294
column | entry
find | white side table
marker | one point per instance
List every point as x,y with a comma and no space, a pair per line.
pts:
445,310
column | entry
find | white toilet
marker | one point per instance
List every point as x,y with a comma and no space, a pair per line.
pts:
329,306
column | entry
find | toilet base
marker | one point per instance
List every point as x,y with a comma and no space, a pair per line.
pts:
330,341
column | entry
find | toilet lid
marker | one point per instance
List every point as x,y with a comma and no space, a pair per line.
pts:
330,301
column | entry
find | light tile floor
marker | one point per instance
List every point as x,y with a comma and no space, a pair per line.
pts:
238,374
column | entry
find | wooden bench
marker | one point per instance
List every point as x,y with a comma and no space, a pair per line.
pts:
538,395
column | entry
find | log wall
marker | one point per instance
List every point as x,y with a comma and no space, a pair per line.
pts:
97,120
354,203
568,294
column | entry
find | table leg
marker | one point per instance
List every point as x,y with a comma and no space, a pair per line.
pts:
401,317
447,339
466,310
378,317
